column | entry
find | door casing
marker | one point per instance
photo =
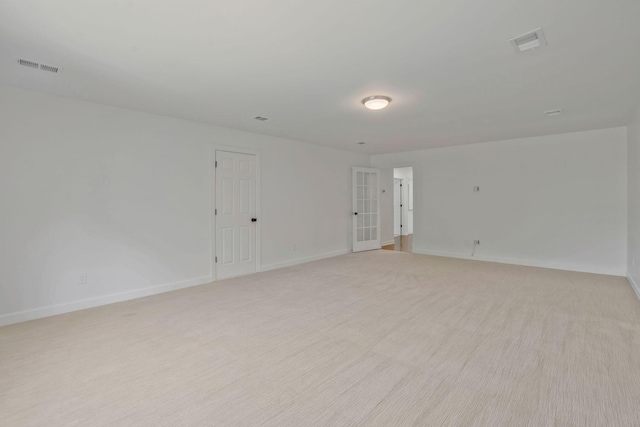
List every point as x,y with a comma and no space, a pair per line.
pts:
213,240
367,244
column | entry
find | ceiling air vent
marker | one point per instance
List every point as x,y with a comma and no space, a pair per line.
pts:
529,41
553,113
42,67
261,119
49,68
27,63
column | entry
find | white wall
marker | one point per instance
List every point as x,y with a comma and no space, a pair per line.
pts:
633,171
125,196
557,201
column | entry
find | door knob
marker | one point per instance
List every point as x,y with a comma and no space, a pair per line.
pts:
254,219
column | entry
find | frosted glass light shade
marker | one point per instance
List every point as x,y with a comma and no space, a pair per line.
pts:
377,102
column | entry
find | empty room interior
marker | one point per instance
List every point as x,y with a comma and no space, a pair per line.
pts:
335,213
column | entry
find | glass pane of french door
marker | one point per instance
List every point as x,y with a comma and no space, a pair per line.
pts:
366,209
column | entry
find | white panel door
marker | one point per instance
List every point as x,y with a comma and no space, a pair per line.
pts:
366,209
235,214
397,206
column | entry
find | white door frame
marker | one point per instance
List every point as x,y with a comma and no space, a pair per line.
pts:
212,169
417,173
372,244
400,181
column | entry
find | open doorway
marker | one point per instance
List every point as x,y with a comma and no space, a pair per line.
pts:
402,210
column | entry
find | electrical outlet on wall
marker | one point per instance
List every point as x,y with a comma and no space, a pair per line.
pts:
294,247
476,242
82,278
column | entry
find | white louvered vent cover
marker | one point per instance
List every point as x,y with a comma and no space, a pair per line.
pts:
27,63
49,68
553,113
529,41
43,67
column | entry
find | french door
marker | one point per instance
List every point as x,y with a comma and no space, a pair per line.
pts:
235,214
366,209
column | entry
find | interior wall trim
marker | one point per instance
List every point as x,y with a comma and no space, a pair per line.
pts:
528,263
634,285
304,260
52,310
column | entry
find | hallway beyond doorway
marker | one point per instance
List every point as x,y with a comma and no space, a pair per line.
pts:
402,243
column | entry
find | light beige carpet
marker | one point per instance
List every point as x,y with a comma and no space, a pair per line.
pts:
372,339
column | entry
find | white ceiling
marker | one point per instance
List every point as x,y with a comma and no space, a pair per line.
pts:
447,64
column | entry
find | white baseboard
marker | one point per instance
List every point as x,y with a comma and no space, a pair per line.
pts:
51,310
634,285
304,260
388,242
528,263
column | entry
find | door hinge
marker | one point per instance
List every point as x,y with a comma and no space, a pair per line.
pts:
216,163
215,211
216,260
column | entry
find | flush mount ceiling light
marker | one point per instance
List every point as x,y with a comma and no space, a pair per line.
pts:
529,41
376,102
